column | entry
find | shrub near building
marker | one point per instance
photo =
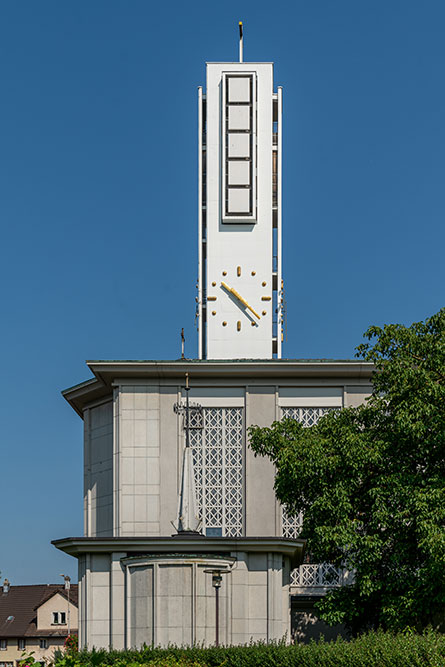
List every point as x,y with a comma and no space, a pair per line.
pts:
375,649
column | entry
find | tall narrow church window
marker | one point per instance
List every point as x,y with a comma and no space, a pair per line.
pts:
291,525
308,575
218,464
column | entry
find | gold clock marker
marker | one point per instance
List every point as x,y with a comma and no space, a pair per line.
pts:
240,298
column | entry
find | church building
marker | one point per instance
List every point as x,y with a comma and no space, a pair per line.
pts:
184,540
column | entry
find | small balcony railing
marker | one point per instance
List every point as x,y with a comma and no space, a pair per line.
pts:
318,577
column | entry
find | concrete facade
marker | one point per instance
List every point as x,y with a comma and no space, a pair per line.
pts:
130,568
146,594
134,440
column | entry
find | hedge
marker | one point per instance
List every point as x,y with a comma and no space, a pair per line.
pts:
375,649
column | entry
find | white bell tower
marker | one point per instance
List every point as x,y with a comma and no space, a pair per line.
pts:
239,284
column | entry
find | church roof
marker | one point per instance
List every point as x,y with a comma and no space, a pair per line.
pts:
106,372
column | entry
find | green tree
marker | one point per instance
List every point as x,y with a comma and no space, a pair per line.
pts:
370,482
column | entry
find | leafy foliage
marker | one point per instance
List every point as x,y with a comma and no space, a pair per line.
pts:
71,643
376,649
27,659
370,481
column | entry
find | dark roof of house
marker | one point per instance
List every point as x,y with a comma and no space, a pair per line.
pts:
21,603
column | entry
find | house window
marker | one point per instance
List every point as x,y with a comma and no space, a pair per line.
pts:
59,618
6,664
43,643
3,644
21,644
217,444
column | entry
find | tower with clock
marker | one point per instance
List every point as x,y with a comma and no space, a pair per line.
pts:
152,457
240,283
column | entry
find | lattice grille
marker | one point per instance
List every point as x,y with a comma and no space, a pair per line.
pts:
195,418
318,575
218,464
291,525
313,575
307,416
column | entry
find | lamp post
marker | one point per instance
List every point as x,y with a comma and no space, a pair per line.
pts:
216,583
67,581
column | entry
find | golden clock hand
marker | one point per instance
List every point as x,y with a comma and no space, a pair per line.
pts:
240,298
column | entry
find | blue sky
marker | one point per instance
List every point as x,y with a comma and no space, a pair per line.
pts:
98,203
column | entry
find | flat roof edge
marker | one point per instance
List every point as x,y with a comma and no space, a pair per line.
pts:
76,546
108,373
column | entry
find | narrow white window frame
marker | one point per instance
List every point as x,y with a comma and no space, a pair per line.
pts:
250,216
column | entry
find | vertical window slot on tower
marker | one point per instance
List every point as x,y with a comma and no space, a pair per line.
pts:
238,138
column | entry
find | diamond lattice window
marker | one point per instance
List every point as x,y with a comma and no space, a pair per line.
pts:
217,446
307,416
312,575
291,525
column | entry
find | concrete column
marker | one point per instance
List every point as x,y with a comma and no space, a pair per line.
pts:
116,464
82,609
260,472
170,447
274,596
240,598
117,601
98,601
285,597
86,474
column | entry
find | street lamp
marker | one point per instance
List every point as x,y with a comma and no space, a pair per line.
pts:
216,583
67,581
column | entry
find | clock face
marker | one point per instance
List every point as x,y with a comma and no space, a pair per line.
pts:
239,300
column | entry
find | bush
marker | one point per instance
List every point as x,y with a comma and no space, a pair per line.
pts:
375,649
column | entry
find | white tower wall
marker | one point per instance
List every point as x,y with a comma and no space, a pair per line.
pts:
240,213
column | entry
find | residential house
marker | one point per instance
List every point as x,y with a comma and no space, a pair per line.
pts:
35,619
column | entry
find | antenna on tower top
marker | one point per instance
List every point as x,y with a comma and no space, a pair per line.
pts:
182,343
240,41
